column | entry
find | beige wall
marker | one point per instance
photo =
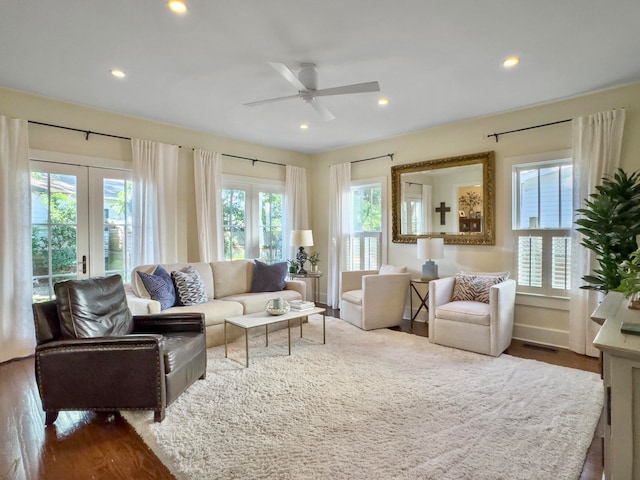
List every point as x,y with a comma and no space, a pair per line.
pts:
551,324
534,323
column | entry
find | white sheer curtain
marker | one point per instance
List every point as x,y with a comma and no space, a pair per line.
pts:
208,182
597,141
339,228
426,209
155,213
295,207
17,337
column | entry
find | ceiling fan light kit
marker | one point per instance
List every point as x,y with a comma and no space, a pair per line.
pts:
306,82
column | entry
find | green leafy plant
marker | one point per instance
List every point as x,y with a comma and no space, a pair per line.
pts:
609,225
293,266
630,275
314,258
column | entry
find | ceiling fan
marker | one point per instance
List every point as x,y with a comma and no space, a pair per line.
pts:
307,85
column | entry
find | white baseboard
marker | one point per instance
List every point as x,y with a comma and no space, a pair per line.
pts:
544,336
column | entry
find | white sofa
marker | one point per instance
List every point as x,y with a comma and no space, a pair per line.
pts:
228,287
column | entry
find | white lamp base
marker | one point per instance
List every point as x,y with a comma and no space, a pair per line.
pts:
429,270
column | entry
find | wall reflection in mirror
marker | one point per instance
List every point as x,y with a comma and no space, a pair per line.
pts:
450,198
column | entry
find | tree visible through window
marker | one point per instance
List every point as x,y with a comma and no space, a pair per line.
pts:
365,248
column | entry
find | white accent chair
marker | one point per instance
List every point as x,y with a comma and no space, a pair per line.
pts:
470,325
373,299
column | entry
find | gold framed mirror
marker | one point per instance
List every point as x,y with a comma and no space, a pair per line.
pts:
452,198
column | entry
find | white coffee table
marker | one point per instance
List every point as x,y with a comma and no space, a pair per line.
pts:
260,319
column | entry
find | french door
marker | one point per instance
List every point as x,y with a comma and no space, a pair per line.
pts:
80,224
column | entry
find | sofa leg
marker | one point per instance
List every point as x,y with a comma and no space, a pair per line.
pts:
158,415
50,417
203,376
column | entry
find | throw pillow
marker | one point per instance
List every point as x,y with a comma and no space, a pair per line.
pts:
268,278
384,269
190,289
506,275
474,288
94,307
160,287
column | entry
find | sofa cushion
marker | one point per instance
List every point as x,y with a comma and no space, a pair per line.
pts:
190,289
214,311
353,296
94,307
474,288
160,287
268,278
232,277
257,302
203,268
384,269
476,313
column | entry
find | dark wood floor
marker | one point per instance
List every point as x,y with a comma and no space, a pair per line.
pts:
83,445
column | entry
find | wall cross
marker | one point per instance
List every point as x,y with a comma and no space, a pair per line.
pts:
442,209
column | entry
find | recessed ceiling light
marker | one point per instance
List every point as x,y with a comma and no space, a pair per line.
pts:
177,6
383,101
116,72
511,62
304,126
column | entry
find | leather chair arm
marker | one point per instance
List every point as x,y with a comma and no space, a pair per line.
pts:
169,323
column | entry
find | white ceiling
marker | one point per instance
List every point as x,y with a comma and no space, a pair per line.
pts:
438,61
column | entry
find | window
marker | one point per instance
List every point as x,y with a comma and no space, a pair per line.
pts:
252,215
542,220
366,242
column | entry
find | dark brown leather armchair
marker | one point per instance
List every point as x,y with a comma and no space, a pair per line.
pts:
92,354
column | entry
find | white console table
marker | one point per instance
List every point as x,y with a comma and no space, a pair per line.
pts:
621,376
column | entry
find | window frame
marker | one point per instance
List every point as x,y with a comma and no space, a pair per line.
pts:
253,187
537,161
361,184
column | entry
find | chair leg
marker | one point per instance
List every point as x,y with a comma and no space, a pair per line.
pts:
158,415
204,375
50,417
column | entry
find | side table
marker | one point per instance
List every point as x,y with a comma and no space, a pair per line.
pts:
423,298
315,279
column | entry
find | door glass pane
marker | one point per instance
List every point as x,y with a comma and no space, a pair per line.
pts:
234,214
117,220
270,228
53,231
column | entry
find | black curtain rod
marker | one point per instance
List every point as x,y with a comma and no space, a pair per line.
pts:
89,132
390,155
496,135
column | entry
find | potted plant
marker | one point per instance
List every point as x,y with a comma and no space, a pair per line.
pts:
609,225
314,259
293,266
630,279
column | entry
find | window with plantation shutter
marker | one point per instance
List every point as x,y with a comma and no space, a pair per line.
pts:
365,247
542,218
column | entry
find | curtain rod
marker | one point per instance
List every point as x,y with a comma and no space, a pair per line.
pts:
90,132
390,155
496,135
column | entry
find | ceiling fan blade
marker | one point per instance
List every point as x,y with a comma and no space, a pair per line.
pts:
289,76
324,112
355,88
271,100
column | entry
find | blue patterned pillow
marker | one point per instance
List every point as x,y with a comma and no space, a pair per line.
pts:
160,287
190,289
268,278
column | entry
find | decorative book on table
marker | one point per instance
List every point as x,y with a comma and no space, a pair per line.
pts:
301,305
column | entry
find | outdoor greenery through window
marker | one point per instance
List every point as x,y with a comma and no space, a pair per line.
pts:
542,220
252,221
365,246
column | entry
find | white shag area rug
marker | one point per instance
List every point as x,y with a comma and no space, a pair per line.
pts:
375,405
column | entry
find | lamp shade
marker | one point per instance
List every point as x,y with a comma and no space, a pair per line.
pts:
302,238
430,248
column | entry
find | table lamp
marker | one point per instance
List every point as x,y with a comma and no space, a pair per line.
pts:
301,239
429,249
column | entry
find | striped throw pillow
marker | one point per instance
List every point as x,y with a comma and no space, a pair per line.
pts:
474,288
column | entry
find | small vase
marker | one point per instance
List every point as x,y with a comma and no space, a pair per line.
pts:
314,268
